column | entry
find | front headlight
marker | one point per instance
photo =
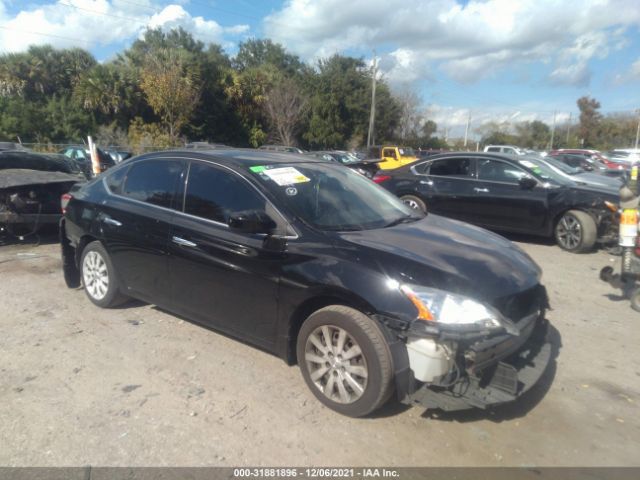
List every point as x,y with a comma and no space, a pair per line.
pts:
450,309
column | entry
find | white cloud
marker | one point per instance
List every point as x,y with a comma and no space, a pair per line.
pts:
631,75
468,42
453,119
90,23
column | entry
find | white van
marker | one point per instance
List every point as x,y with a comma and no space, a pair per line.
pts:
508,149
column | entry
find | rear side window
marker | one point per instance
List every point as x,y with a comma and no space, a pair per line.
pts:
115,179
155,182
214,193
451,167
422,168
493,149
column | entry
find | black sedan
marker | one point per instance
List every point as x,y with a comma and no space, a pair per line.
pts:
506,193
320,266
366,167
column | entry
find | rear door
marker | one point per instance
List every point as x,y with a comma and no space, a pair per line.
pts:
502,203
219,275
136,223
447,186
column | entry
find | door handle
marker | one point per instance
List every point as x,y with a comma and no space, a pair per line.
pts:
481,190
111,221
183,242
426,182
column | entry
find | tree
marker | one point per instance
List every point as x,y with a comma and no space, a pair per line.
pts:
171,88
589,120
255,53
340,101
535,134
409,123
285,105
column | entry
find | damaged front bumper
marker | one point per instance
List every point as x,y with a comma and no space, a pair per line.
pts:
499,379
461,370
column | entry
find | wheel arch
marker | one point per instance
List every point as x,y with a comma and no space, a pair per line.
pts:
83,242
313,304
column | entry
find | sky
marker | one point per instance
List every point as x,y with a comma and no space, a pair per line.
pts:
481,60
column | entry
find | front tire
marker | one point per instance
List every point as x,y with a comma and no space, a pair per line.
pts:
99,277
576,231
414,203
345,360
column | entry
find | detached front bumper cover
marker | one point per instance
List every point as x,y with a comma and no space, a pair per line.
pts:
502,382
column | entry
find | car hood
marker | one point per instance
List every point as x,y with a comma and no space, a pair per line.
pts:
22,177
598,180
606,192
449,255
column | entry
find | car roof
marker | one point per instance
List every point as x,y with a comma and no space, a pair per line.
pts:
238,157
445,155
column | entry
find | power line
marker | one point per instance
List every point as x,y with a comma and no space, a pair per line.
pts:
22,30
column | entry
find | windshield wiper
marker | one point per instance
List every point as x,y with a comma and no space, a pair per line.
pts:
405,219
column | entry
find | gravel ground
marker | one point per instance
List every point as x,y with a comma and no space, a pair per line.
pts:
137,386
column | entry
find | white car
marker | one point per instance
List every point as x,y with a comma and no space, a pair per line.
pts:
508,149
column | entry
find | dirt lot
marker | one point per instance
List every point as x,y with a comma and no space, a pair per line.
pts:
138,386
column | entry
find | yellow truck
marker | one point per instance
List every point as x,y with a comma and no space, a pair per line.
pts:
392,156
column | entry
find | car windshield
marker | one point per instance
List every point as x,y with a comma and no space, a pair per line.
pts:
346,157
407,152
330,198
543,171
563,166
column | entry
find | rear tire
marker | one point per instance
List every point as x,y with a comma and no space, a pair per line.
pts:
576,231
99,277
414,203
345,360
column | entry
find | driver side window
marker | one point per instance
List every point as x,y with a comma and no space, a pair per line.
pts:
214,194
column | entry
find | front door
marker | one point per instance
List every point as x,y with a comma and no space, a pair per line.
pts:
221,276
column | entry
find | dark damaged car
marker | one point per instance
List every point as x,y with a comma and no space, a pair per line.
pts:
30,188
517,194
320,266
365,167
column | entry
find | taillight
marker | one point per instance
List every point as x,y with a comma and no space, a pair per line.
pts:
64,201
380,178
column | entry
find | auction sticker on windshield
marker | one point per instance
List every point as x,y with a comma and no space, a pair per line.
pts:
531,165
285,176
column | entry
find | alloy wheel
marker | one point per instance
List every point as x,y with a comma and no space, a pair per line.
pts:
569,232
412,204
95,275
336,364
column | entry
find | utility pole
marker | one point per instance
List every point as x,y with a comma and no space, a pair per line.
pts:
372,117
553,130
466,129
568,129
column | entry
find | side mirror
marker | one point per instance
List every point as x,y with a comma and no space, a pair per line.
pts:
527,183
251,221
586,167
